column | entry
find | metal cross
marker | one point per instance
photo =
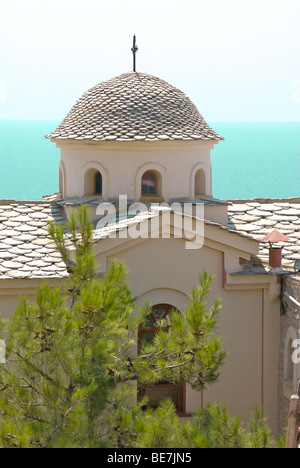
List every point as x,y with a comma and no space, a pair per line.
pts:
134,51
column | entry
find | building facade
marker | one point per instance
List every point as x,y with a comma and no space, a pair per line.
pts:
138,137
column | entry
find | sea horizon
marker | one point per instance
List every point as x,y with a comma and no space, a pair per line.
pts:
256,160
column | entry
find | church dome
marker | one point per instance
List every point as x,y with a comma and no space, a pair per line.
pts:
134,107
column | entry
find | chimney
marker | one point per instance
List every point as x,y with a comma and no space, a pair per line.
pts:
275,253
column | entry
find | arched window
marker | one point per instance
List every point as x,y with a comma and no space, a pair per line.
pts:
149,184
93,184
98,184
200,183
162,390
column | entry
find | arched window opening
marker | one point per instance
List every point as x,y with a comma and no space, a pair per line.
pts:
98,184
149,184
200,183
164,390
93,183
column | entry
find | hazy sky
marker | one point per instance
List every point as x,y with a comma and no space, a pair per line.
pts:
238,60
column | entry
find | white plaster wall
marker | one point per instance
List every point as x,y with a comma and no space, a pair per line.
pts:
122,167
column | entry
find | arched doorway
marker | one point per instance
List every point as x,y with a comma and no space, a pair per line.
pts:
163,390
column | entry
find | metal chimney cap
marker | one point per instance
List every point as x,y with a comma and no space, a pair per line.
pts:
276,236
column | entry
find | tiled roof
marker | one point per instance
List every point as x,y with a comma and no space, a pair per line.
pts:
26,249
134,107
259,217
144,216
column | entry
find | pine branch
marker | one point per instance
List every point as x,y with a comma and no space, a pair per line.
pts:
60,422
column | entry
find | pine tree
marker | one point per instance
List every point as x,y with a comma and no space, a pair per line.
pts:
72,367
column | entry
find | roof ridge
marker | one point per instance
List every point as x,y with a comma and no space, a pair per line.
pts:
6,201
264,200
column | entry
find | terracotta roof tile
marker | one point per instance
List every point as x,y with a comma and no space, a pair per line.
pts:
33,255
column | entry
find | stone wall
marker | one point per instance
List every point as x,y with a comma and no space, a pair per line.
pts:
290,318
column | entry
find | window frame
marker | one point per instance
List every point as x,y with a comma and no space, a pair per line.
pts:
148,194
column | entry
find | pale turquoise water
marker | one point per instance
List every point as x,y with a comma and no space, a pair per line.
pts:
28,162
255,160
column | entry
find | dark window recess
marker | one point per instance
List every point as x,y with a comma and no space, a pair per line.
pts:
98,184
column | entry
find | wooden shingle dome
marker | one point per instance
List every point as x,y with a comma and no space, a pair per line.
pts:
134,107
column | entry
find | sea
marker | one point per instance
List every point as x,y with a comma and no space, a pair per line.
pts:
256,160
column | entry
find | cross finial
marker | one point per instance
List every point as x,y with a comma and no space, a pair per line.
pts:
134,51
